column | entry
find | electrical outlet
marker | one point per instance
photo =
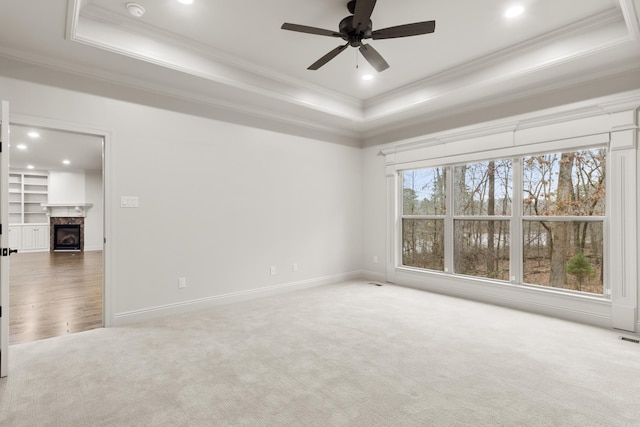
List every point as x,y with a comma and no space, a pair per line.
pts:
182,282
273,270
295,267
375,259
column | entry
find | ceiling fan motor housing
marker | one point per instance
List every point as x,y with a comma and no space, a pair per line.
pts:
350,34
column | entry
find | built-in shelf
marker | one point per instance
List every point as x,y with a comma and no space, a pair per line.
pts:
27,192
28,222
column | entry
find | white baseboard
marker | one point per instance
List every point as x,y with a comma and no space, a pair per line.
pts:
136,316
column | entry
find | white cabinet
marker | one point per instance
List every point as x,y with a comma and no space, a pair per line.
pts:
35,238
15,237
42,237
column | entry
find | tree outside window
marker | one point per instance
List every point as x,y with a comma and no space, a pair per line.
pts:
423,210
483,197
562,250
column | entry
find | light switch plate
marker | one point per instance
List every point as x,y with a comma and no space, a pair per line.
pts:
128,201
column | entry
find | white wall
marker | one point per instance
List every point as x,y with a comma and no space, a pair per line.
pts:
374,202
218,203
66,187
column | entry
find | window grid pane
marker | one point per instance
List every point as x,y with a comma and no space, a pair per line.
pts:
424,192
423,243
483,188
564,255
482,248
570,183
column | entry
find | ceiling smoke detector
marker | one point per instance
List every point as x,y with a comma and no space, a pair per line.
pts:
135,9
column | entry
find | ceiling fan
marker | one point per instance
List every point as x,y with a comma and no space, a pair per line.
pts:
358,27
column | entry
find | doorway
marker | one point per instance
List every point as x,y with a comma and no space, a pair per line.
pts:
55,177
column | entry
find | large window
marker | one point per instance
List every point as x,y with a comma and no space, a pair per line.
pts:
558,223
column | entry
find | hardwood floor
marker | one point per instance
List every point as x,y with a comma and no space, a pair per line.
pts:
53,294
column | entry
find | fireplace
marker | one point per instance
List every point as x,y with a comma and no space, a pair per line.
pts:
66,237
67,234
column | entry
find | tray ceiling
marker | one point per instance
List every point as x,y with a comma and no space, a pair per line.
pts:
232,55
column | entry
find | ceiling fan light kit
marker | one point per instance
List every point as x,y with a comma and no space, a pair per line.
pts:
358,27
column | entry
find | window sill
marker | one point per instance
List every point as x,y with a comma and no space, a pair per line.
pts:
482,281
570,305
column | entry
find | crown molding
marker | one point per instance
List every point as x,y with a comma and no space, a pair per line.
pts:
149,32
613,79
631,17
629,101
600,20
575,40
332,131
109,33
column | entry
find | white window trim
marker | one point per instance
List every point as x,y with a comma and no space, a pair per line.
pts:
615,125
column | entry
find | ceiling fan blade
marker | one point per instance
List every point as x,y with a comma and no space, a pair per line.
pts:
362,14
328,57
406,30
309,30
373,57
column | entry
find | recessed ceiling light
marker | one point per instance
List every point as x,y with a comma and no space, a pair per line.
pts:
514,11
186,1
21,147
367,77
66,162
29,166
34,134
135,9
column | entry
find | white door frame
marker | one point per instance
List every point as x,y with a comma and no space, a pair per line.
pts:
4,240
108,294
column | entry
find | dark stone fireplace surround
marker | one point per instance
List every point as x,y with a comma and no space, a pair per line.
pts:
60,220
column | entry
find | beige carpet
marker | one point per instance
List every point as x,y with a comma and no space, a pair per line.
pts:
351,354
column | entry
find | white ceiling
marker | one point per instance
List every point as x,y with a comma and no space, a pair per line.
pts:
232,56
462,34
51,147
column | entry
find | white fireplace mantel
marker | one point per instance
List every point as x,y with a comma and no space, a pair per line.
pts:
66,209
